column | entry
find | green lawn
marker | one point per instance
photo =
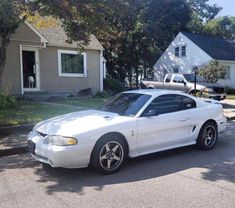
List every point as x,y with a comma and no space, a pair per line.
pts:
31,112
231,97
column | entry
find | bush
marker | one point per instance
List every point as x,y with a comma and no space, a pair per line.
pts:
104,94
7,101
212,72
113,85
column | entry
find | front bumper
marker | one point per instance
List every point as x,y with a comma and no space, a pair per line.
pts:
76,156
215,96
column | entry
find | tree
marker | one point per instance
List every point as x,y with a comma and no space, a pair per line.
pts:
10,12
202,12
212,72
221,27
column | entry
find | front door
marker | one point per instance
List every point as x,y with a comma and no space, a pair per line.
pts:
30,72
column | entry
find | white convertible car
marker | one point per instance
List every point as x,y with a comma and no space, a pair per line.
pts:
130,124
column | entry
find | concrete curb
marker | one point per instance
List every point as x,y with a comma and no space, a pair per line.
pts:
18,128
13,151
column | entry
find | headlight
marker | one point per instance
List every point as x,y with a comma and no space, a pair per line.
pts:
207,90
60,140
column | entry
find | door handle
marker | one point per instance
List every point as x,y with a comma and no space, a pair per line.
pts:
184,119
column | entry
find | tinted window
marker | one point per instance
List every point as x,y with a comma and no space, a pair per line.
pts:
125,104
168,78
170,103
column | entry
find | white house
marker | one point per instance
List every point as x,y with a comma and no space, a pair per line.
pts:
189,50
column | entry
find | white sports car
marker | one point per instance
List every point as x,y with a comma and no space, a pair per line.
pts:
130,124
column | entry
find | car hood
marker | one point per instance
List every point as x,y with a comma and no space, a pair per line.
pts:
73,124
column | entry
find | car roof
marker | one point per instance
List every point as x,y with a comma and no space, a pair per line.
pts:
155,92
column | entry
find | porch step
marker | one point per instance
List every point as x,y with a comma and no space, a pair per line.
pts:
44,96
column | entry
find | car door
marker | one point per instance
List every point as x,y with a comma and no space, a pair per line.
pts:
164,124
178,83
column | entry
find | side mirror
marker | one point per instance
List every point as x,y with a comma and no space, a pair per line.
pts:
185,83
150,113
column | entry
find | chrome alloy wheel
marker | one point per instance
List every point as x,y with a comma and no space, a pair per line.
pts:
111,155
209,136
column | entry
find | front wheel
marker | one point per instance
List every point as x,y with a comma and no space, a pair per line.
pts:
208,136
109,154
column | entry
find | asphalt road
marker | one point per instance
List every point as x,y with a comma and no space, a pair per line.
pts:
181,178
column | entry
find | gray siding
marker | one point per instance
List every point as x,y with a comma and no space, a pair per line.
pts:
12,73
49,73
24,33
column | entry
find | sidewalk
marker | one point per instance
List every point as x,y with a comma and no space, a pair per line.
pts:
229,109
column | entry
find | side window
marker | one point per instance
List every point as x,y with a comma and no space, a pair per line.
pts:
168,78
189,103
169,104
178,79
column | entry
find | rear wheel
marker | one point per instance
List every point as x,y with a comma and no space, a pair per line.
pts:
208,136
109,154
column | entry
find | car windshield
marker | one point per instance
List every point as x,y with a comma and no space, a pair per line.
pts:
190,78
125,104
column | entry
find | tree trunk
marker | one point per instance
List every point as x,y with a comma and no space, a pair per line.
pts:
3,49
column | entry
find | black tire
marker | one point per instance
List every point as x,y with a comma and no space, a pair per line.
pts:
109,154
208,136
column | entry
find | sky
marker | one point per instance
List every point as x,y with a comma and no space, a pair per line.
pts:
228,6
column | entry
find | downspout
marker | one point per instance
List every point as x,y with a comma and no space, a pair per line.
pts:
101,71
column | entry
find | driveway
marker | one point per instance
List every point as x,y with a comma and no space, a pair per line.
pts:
184,177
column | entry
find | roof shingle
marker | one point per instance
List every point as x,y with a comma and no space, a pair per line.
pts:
56,36
217,48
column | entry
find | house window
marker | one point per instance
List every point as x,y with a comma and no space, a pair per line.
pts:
227,72
177,51
183,51
72,63
176,70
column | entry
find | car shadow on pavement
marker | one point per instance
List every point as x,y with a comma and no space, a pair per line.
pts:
218,164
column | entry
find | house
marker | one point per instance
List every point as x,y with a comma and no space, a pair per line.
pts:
43,61
189,50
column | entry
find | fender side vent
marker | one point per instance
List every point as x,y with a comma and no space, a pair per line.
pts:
194,128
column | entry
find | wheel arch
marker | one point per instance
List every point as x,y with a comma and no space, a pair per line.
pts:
212,121
118,134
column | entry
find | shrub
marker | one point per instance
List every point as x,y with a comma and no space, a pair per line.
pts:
104,94
212,72
6,101
113,85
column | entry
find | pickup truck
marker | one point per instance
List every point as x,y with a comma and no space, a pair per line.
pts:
185,83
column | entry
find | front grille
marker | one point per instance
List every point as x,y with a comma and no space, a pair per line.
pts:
219,89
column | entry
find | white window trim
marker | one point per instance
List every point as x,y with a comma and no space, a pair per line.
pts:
61,74
229,70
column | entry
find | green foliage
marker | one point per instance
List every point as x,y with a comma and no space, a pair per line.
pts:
221,27
7,101
212,72
113,85
104,94
201,13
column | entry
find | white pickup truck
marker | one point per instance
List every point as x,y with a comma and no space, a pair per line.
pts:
185,83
